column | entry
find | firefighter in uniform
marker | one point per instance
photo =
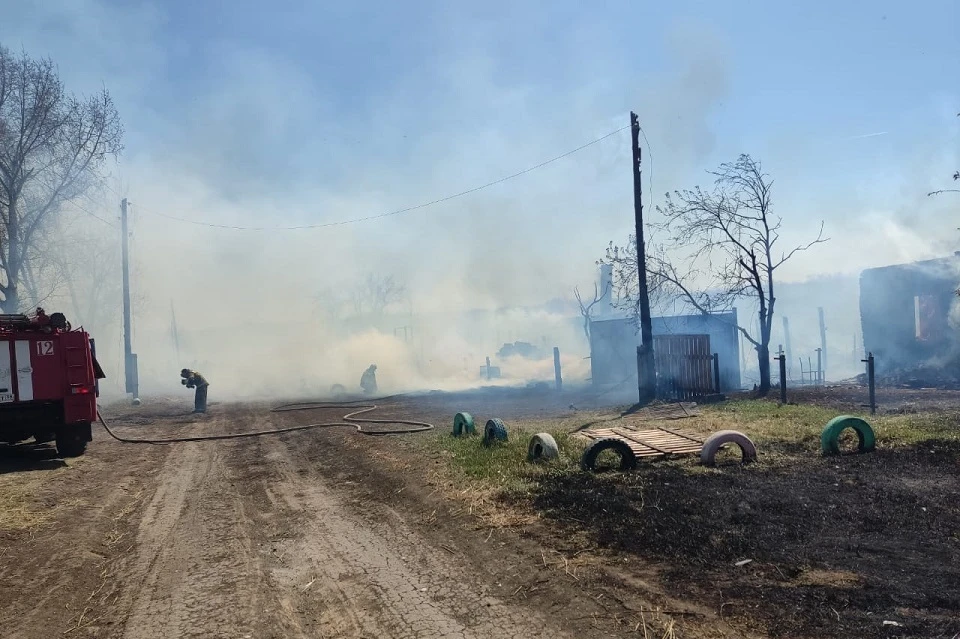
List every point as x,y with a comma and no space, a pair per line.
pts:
368,381
193,379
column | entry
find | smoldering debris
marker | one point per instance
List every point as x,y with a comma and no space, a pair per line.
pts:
923,376
908,316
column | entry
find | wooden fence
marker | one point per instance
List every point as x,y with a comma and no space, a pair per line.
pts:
686,369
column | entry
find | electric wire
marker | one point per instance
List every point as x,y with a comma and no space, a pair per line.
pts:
409,209
74,204
650,174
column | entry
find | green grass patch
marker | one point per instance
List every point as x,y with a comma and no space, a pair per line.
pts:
504,465
783,434
770,423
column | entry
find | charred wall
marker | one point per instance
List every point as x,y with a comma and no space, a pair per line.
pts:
905,312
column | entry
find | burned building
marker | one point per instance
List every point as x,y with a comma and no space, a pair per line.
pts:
905,312
613,346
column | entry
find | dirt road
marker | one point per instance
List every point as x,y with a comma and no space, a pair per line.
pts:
300,535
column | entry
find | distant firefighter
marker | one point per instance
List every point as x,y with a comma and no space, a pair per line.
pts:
368,382
193,379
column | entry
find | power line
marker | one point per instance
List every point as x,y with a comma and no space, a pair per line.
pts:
93,215
390,213
650,173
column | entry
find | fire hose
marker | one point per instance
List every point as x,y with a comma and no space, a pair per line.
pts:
349,419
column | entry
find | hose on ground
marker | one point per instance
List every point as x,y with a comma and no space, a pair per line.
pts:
349,419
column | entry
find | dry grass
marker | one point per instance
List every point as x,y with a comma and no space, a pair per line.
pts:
27,500
19,507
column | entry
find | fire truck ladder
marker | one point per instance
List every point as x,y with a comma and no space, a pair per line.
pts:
76,372
13,321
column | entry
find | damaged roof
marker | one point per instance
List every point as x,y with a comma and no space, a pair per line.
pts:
945,267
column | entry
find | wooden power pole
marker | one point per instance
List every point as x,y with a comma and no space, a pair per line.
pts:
646,366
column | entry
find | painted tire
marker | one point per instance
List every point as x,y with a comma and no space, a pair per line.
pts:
830,438
494,431
463,424
713,443
542,447
628,460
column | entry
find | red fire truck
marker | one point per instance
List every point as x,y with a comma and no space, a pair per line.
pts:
48,382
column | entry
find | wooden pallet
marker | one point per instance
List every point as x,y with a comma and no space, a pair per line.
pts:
656,442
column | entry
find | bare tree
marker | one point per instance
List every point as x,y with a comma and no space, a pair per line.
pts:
89,265
333,306
586,310
728,241
364,302
53,147
625,281
375,294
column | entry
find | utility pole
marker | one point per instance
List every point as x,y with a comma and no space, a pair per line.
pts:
646,366
789,351
823,342
129,359
173,328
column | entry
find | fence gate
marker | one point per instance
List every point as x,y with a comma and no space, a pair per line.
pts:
684,366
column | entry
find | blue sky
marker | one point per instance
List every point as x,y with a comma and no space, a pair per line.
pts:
292,112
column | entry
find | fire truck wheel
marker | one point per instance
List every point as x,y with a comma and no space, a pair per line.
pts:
71,443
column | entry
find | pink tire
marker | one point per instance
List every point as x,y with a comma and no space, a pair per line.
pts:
721,438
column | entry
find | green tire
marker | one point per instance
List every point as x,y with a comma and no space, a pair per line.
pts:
830,438
463,424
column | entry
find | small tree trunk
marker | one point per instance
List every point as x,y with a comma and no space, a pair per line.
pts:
763,360
12,303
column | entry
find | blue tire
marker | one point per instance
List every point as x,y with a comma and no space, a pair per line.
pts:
494,432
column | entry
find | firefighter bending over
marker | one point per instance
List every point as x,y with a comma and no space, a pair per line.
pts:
193,379
368,381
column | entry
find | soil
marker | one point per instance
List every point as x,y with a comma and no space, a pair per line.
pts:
327,533
323,533
856,398
798,545
835,547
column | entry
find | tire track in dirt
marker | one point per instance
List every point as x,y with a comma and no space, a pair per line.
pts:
197,570
363,571
60,577
301,535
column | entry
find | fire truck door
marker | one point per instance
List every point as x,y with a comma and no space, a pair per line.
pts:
6,374
24,365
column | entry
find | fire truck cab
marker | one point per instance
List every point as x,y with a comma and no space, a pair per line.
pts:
48,382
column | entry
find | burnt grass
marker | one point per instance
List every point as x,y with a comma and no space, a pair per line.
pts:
838,545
